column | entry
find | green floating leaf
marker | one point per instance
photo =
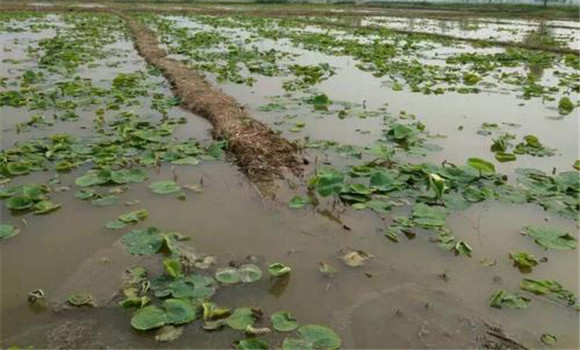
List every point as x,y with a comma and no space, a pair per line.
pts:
168,333
173,311
548,339
428,216
45,207
551,238
279,269
251,344
190,287
179,311
19,203
328,181
298,202
473,194
524,259
241,318
149,317
7,231
503,157
115,225
134,216
463,248
128,176
282,321
377,206
93,177
356,258
164,187
133,298
146,241
80,299
105,201
172,267
484,167
213,312
231,275
313,337
16,168
186,161
503,298
565,105
549,288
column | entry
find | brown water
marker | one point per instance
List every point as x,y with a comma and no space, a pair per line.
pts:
398,300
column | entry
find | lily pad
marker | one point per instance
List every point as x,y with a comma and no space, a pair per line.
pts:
105,201
134,216
548,339
504,298
172,267
549,288
503,157
18,168
7,231
282,321
146,241
179,311
80,299
231,275
149,317
251,344
115,225
483,166
19,203
313,337
45,207
329,181
186,161
93,177
565,105
279,269
241,318
190,287
213,312
128,176
164,187
551,238
298,202
429,216
168,333
524,259
356,258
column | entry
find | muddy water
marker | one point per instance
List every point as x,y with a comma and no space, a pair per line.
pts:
443,114
398,300
564,32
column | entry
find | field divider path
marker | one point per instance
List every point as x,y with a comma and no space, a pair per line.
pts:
260,152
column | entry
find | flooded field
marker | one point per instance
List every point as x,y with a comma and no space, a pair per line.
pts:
437,207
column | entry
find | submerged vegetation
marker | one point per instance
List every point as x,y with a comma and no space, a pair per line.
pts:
89,122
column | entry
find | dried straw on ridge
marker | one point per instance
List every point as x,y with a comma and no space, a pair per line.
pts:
259,152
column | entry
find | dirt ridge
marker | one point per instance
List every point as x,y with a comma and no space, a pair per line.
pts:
260,152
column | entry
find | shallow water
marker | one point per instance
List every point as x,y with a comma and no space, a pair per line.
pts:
398,300
566,33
